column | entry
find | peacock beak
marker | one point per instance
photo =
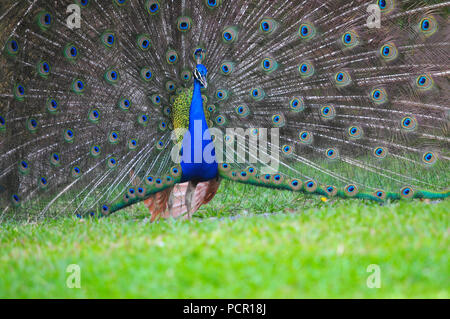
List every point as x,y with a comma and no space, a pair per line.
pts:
203,81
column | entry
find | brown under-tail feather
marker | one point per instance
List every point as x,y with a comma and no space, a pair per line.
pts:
181,200
157,204
204,193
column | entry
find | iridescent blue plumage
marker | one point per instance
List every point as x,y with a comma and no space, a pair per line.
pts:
198,161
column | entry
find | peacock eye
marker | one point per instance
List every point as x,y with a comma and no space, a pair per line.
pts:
227,68
170,86
146,74
389,51
108,39
332,153
351,190
327,112
406,192
212,4
15,198
144,42
83,3
355,132
111,162
242,111
78,86
428,25
43,69
24,167
120,2
12,47
278,120
44,20
287,150
230,35
269,65
143,119
409,123
171,56
268,26
380,152
350,39
156,99
52,105
70,52
306,69
424,82
380,194
55,159
306,31
112,76
429,158
76,172
124,104
43,182
342,79
184,24
152,7
220,120
378,96
386,6
132,144
186,75
159,145
222,95
95,151
310,186
305,137
69,135
296,104
257,94
19,92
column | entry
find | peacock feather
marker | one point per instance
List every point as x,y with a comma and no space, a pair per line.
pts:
342,98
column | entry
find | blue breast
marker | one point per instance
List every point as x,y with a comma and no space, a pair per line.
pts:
198,160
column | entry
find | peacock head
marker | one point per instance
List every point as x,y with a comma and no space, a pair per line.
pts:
200,73
200,70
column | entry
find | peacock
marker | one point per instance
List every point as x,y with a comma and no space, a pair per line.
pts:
107,103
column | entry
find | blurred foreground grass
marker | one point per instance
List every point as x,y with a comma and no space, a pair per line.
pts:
284,245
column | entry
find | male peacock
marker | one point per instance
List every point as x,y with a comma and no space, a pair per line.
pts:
93,118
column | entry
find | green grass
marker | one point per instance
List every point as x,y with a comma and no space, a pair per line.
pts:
305,248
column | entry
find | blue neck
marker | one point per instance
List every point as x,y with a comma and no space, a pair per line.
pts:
198,162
